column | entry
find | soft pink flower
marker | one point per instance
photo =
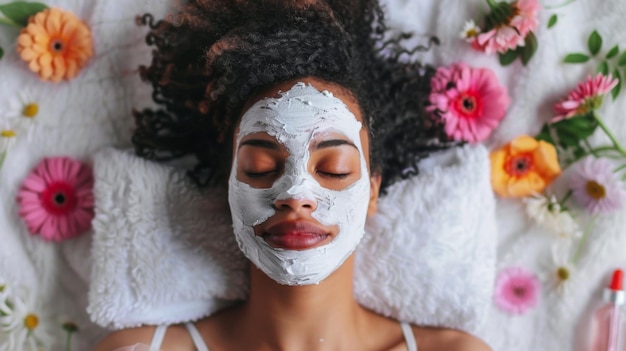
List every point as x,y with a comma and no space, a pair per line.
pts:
509,32
585,98
471,101
56,199
517,290
596,187
525,21
500,39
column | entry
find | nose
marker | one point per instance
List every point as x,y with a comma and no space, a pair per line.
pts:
296,204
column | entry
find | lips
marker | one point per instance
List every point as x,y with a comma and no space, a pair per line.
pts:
295,235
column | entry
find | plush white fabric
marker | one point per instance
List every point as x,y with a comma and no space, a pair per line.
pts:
164,253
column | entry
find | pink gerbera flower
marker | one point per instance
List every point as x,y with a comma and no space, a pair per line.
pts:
471,101
586,98
517,290
507,26
56,199
596,187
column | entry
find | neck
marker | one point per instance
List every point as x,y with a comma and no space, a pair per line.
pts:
310,317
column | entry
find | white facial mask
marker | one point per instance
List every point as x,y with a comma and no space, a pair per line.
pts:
294,119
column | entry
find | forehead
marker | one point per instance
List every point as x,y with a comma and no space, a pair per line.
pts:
301,110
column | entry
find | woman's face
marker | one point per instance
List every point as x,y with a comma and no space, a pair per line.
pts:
300,188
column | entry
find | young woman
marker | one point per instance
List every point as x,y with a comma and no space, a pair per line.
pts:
295,106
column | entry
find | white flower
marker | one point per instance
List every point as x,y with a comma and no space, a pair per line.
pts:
560,271
547,212
470,31
24,111
23,322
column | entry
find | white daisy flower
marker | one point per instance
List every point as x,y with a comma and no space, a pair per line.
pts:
547,212
560,271
24,110
23,323
470,31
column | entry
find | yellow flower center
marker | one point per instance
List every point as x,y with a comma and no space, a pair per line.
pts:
30,110
7,133
595,190
31,321
562,274
472,32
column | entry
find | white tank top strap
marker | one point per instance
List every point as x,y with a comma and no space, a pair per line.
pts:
157,338
409,338
198,341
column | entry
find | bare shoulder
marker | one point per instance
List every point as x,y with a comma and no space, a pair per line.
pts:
447,339
176,338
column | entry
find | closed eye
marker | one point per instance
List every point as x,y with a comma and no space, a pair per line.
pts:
260,174
333,175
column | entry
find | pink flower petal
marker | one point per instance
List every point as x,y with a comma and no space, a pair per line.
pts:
66,222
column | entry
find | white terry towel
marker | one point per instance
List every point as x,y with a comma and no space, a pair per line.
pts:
164,251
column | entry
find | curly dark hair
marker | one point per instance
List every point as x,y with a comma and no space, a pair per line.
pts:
212,56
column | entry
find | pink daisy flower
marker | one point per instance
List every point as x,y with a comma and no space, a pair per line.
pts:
517,290
508,26
471,101
596,187
585,98
56,199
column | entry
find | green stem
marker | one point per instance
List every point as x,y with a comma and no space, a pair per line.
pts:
68,341
583,239
611,136
554,7
590,148
8,22
565,198
3,156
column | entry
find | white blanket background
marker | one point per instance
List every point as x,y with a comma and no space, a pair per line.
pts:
93,111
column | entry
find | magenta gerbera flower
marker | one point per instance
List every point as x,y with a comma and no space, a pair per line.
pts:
56,199
586,98
471,101
517,290
596,187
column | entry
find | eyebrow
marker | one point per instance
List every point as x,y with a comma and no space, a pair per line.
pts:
266,144
333,143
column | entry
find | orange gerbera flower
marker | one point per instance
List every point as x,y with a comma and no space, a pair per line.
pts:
523,167
56,44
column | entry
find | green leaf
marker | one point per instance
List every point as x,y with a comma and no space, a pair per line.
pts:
544,134
594,43
578,151
508,57
576,58
622,59
1,53
615,91
20,11
529,49
603,68
552,21
572,130
613,52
